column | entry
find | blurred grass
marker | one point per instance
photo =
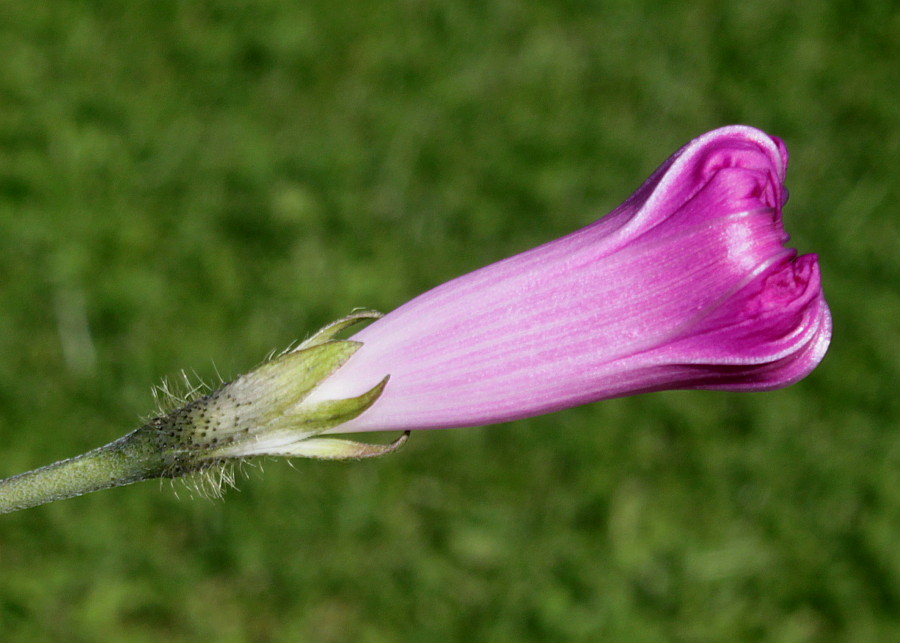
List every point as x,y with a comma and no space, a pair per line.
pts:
190,185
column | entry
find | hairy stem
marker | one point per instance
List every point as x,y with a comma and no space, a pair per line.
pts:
129,459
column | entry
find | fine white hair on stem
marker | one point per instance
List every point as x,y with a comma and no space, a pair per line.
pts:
213,481
170,394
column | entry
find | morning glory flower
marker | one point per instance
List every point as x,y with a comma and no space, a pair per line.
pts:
686,285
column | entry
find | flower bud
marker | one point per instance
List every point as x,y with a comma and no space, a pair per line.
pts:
686,285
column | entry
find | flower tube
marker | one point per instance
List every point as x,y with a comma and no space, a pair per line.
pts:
686,285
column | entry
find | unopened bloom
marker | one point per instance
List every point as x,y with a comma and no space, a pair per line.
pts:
687,284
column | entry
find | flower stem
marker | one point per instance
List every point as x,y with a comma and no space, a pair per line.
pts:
129,459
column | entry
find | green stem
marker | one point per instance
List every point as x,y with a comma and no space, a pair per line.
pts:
129,459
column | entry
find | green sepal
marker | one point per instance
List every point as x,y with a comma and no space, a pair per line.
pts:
337,449
328,332
281,435
265,412
292,376
330,413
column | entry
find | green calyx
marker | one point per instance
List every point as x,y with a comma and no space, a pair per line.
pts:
263,412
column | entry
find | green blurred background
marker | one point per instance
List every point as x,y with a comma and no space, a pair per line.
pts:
189,185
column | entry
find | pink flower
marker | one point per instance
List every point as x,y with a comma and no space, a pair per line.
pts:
686,285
